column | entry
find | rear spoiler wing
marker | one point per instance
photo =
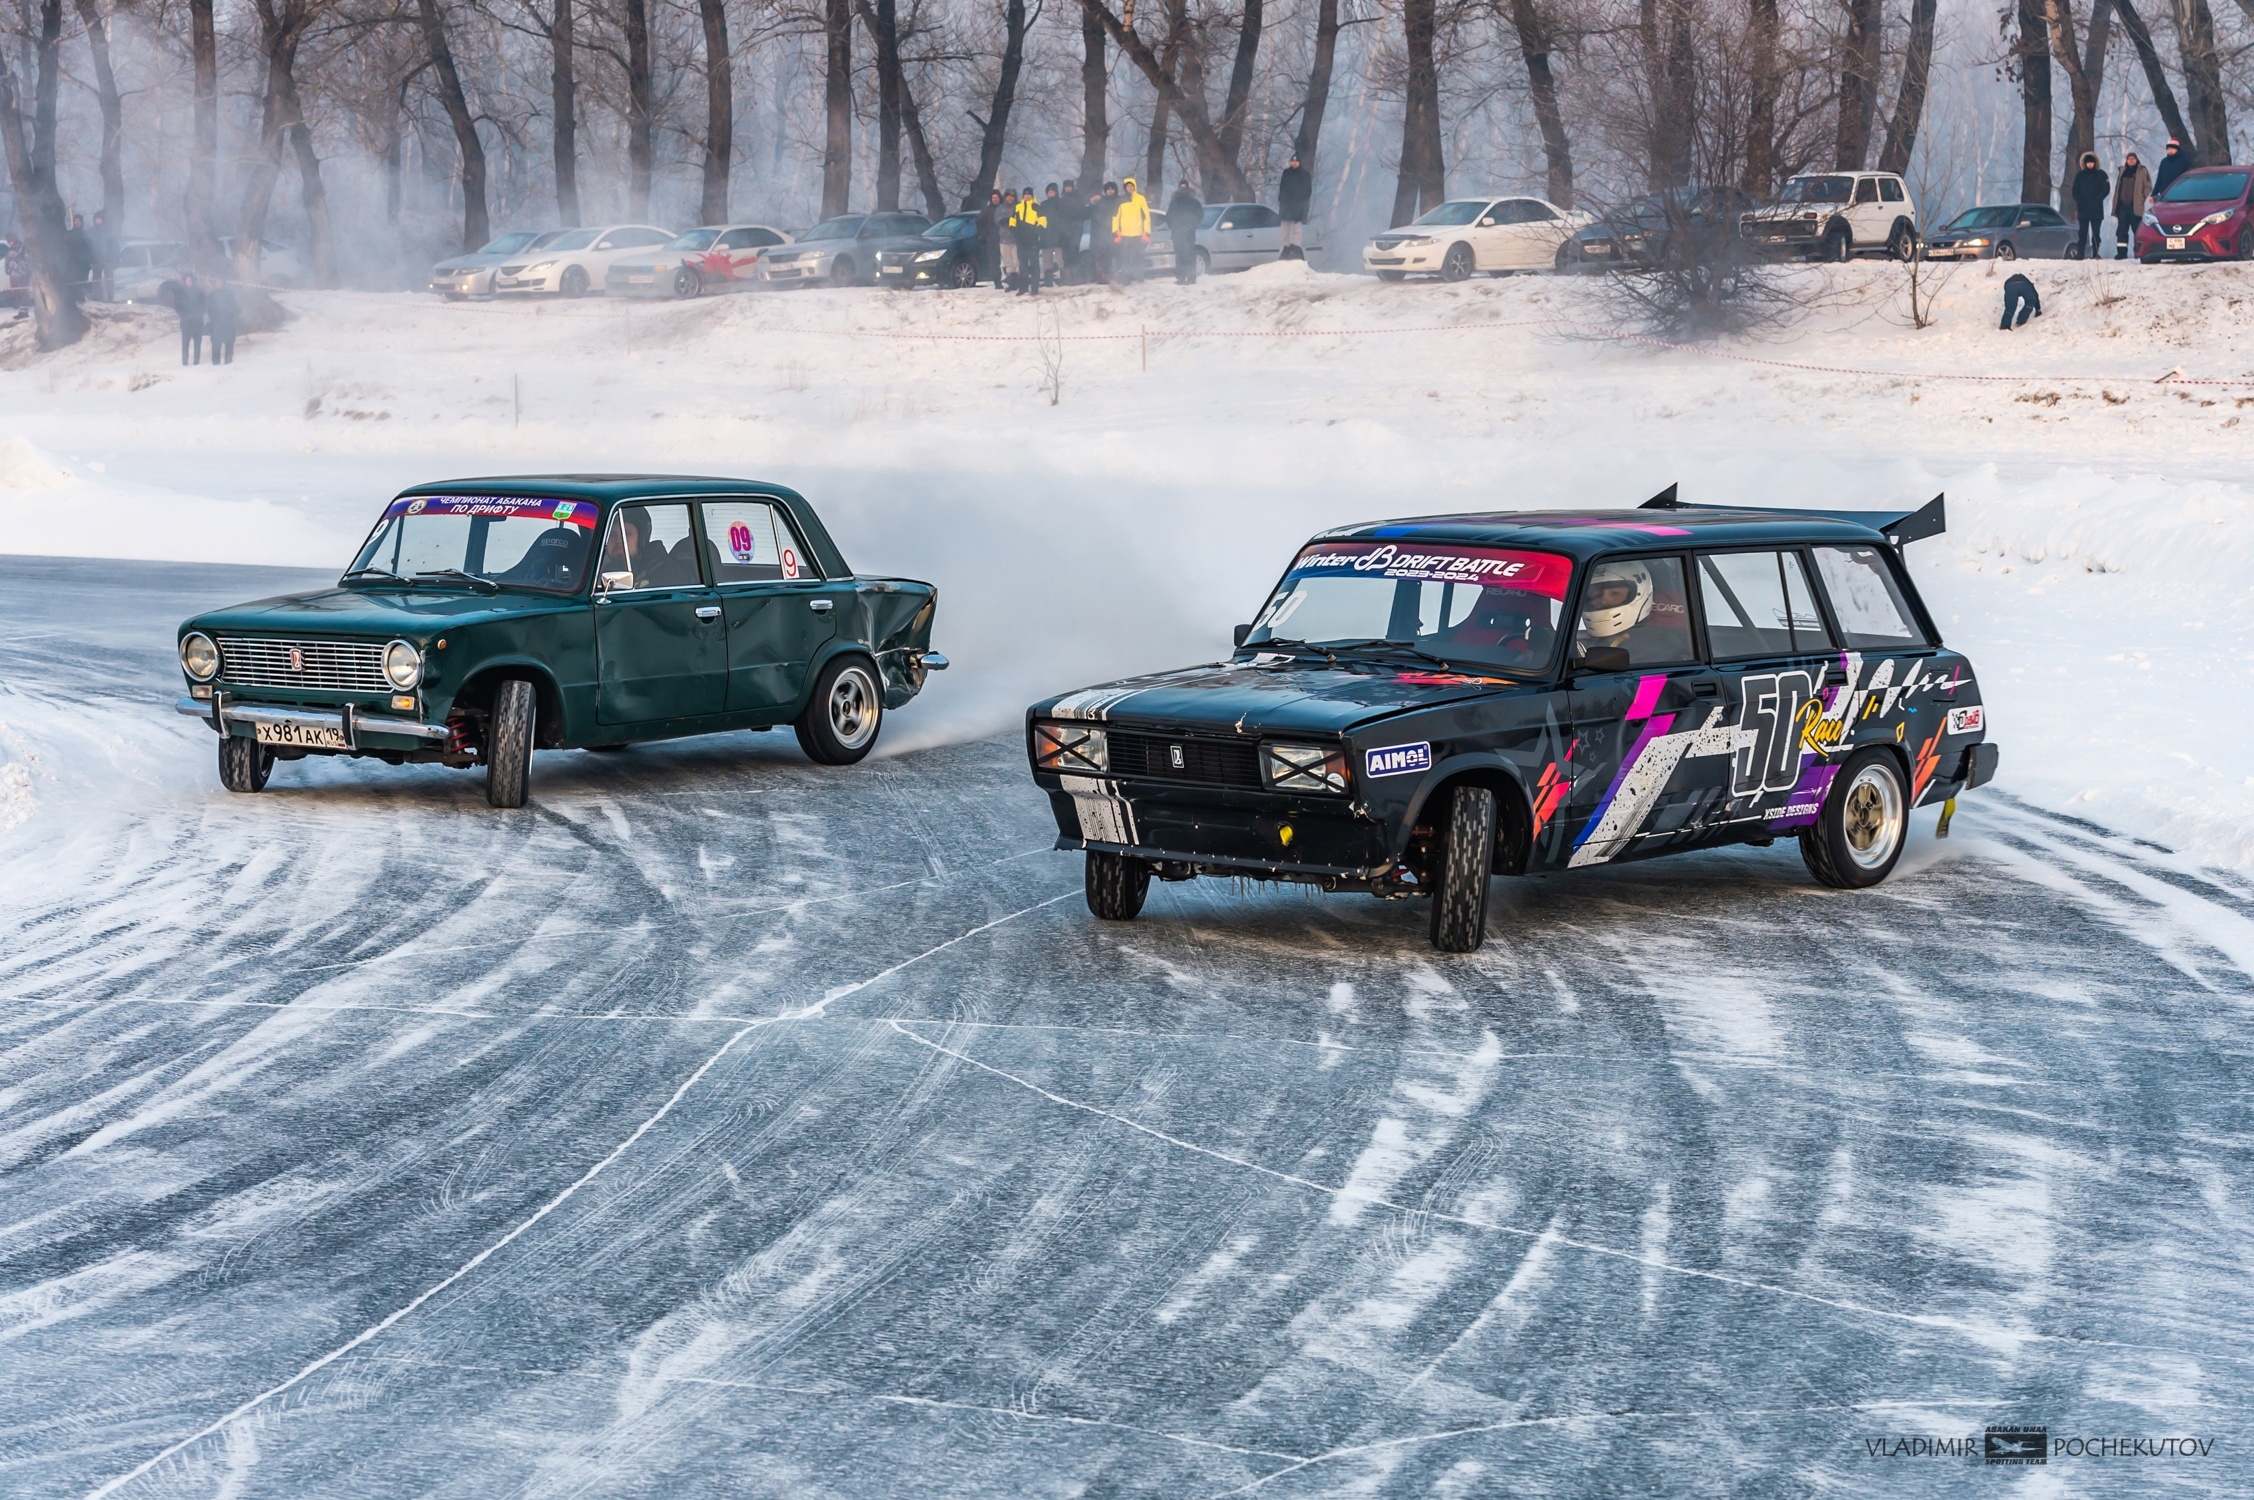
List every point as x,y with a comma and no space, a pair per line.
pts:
1900,527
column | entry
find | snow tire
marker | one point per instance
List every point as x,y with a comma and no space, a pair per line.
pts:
1466,861
574,283
687,283
2006,250
1117,885
965,274
244,764
1859,836
1456,265
842,272
1392,275
508,743
1839,245
839,724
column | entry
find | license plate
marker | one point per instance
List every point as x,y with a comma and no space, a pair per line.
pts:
305,736
2175,242
640,280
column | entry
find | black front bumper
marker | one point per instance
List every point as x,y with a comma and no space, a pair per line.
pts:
1216,830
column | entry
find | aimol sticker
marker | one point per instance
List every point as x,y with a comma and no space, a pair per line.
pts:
1399,760
1967,720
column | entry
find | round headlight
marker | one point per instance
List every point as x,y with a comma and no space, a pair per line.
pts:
199,658
403,664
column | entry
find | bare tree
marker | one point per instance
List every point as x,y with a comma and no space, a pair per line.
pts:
1765,29
2203,80
113,114
1534,47
282,28
641,114
1095,116
563,109
2155,74
2085,77
1422,181
994,129
1909,101
719,112
1230,131
1222,174
475,229
30,149
197,209
837,107
2032,53
1858,85
884,27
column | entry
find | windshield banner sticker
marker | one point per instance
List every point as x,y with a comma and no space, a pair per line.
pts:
579,513
1543,573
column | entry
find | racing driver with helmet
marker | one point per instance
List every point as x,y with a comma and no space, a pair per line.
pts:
1616,615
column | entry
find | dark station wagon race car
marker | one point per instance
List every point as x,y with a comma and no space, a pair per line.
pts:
1424,703
482,618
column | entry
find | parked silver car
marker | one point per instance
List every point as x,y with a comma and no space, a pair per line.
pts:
1239,236
840,251
472,275
2003,231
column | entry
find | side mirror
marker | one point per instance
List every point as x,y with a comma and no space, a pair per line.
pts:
1241,632
605,582
1600,659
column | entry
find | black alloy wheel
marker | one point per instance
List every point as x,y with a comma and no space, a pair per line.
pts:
841,271
1466,859
1116,885
964,274
574,283
508,743
840,721
1456,264
2006,250
1865,823
687,282
244,764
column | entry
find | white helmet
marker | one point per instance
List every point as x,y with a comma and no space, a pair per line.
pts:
1604,613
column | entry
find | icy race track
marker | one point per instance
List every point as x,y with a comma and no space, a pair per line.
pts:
723,1125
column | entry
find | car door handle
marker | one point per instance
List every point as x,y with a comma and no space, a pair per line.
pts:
819,606
1706,689
708,612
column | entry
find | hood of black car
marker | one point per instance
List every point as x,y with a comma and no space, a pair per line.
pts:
1283,697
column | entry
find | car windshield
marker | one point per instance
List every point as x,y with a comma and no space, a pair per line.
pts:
1464,211
1984,218
2206,187
1484,607
834,229
694,239
510,244
509,540
953,227
577,239
1817,190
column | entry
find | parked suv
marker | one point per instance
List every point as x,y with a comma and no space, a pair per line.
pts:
1835,215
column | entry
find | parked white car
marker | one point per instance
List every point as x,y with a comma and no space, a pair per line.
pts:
1495,235
143,266
1834,215
576,262
1239,236
471,275
715,258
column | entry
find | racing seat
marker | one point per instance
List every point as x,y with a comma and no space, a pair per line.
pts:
1502,628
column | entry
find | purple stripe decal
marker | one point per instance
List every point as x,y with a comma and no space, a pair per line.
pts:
1652,730
1806,801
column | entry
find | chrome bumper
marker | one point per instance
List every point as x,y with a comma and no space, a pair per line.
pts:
349,723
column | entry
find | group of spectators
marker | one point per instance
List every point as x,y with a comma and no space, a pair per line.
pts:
2128,193
1069,236
208,306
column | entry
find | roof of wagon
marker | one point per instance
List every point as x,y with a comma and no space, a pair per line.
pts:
1592,533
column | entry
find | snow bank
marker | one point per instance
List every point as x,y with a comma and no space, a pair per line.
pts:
2093,570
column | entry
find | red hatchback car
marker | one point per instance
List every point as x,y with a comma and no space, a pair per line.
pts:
2204,215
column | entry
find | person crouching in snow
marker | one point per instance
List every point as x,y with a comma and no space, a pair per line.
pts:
2020,303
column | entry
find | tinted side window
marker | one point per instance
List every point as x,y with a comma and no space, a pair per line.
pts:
1759,604
1866,190
650,547
1890,190
1260,216
1866,601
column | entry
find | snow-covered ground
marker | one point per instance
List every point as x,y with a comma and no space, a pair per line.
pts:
2096,566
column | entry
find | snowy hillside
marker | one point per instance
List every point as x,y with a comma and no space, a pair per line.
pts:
2096,566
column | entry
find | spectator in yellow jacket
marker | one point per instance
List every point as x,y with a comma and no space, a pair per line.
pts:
1130,230
1028,228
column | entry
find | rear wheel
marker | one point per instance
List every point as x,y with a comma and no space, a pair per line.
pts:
1456,264
840,722
1116,884
1865,823
1902,243
1568,255
1466,860
244,764
687,282
508,743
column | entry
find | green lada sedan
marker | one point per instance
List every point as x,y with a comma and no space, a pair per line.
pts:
486,618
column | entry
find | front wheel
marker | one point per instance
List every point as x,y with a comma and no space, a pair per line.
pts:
508,743
1838,245
841,271
1902,243
574,283
1204,263
687,283
1116,885
244,764
840,723
1456,264
1865,823
965,274
1391,275
2007,251
1466,859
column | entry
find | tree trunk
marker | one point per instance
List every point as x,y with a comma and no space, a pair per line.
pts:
1678,120
1162,113
1422,181
1858,85
198,212
279,32
837,104
563,97
1231,128
927,174
1095,113
1317,103
1761,118
1190,107
993,130
2034,51
466,143
113,118
641,120
2203,82
1909,104
2081,86
31,172
719,111
313,195
2155,73
1541,86
884,23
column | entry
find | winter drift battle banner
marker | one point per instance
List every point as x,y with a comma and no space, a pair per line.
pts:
570,512
1543,573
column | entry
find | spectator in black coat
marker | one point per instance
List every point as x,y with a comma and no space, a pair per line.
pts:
990,219
2172,166
1066,223
222,312
188,301
104,242
1293,194
1183,211
1052,242
2092,190
1102,207
2020,302
78,257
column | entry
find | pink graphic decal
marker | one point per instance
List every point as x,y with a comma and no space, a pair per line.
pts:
1648,690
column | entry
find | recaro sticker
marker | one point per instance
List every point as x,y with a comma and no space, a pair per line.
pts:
1399,760
1967,720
